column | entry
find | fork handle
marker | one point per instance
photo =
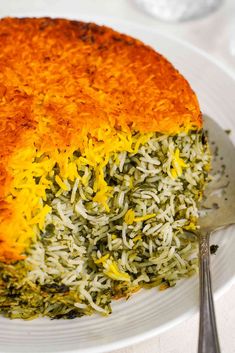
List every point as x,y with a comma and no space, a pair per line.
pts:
208,338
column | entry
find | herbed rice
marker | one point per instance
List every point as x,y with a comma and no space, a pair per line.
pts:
88,255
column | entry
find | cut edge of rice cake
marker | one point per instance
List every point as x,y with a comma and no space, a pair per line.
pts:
140,243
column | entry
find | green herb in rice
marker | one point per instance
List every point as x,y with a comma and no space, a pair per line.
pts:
86,256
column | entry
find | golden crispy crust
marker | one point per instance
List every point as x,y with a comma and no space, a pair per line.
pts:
59,78
77,74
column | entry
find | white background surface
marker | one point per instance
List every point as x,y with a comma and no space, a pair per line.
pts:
214,34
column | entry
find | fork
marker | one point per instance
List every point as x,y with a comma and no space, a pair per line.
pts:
217,211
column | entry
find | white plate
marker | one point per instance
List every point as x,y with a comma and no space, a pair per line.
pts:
149,312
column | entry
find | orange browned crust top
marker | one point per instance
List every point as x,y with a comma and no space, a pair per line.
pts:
61,81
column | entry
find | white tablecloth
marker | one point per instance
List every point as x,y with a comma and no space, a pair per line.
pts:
214,34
